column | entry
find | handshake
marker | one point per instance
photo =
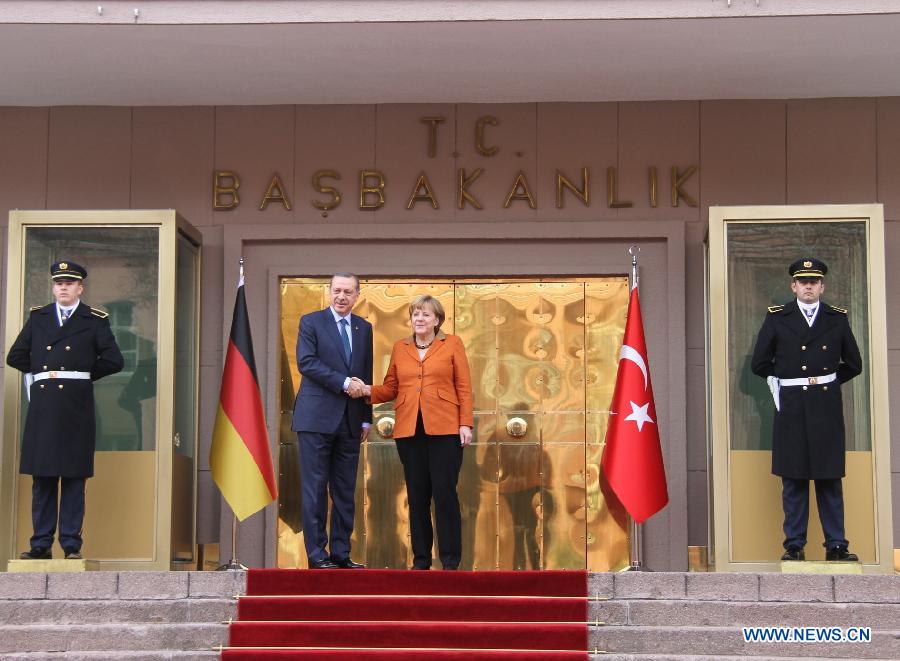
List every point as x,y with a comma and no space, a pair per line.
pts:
358,388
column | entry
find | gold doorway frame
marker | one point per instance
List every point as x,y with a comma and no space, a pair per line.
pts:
575,488
738,472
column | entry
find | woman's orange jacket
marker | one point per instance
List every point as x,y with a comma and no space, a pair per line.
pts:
439,385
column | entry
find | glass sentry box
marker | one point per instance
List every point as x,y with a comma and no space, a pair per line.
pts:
144,271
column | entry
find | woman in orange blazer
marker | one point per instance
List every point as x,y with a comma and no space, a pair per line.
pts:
428,379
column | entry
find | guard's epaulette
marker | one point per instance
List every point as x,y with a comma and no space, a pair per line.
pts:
776,308
837,309
35,307
99,313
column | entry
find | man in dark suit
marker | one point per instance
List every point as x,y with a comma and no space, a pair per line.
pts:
331,420
806,350
64,347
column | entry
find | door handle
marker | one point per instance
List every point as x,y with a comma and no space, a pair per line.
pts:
516,427
385,427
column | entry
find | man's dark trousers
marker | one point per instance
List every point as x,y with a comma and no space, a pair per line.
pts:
329,462
830,500
47,506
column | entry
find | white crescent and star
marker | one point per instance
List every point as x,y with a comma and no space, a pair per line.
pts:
639,414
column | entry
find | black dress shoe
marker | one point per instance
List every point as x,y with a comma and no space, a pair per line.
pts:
415,567
841,554
323,564
794,553
347,563
37,553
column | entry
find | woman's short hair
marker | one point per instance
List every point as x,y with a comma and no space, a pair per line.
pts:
426,300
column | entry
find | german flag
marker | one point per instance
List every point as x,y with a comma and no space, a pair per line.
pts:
239,456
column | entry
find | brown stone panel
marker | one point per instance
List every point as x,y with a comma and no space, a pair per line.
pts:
888,133
215,305
831,154
695,302
742,152
696,411
402,154
23,168
572,136
894,401
257,143
892,285
89,158
173,161
515,137
210,387
660,134
698,509
339,138
209,505
895,488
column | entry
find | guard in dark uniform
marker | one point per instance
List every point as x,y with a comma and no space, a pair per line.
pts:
806,350
64,347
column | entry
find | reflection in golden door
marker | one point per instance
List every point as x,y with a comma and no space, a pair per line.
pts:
543,357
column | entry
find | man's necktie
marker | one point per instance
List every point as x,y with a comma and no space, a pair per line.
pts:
345,338
809,315
64,316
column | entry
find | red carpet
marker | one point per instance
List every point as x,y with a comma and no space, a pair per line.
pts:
335,615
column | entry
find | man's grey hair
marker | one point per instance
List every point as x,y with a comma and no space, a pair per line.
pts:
345,275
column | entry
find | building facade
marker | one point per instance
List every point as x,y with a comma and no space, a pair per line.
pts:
528,171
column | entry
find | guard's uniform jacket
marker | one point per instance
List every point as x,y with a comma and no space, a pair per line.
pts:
60,428
808,435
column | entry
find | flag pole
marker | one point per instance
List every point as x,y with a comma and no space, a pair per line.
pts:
637,532
235,564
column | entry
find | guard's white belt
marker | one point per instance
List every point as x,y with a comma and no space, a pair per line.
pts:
808,381
62,374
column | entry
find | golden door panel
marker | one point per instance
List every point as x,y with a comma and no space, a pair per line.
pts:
520,506
560,346
477,320
543,357
606,305
563,496
386,510
607,522
477,490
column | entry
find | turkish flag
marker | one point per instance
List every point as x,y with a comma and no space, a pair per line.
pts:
632,460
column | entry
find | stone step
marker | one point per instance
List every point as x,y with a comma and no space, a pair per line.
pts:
105,611
744,613
746,587
724,641
111,637
122,585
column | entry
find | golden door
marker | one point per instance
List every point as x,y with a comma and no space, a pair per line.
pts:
543,357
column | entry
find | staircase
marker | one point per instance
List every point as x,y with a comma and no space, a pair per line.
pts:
697,616
341,615
150,616
146,616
